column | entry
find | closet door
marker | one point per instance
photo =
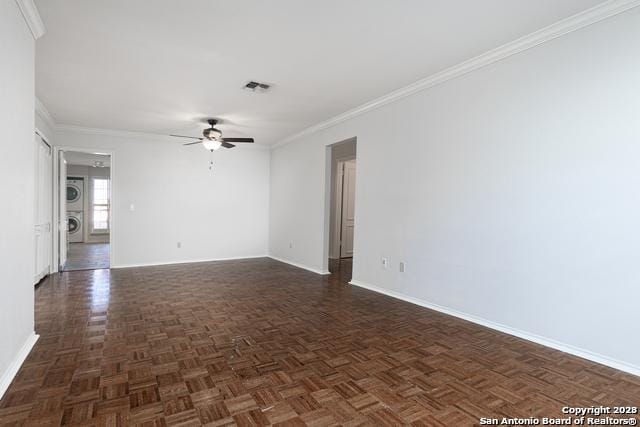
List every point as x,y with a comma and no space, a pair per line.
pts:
44,209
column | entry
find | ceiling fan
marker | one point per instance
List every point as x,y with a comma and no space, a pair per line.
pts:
212,138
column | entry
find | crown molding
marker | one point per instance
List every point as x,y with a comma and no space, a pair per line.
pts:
583,19
44,114
32,17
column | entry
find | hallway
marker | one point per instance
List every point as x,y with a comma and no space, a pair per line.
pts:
87,256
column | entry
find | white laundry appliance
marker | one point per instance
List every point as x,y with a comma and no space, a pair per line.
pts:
75,227
75,194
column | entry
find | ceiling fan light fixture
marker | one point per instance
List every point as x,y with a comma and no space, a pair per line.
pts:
212,138
211,144
212,133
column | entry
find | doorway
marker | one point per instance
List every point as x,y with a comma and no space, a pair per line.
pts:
84,210
342,188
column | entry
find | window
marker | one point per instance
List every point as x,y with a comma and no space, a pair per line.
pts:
100,207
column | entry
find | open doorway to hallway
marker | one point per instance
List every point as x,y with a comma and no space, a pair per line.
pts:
342,207
85,207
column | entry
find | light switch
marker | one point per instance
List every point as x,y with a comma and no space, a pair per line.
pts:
132,207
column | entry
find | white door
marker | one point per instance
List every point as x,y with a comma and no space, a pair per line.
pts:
348,208
62,210
44,209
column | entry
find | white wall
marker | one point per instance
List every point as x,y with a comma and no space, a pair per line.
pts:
216,215
513,192
17,188
44,128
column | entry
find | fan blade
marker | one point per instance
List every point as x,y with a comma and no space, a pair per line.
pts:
225,144
237,139
191,143
184,136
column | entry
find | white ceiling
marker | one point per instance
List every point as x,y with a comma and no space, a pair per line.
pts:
86,159
157,66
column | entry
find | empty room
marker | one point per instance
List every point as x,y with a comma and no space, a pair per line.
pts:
324,213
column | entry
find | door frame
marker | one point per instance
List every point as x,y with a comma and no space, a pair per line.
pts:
112,245
329,190
61,223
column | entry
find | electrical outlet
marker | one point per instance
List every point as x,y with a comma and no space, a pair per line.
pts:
402,266
385,263
179,245
290,245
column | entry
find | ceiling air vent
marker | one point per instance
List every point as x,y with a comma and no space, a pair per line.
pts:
256,86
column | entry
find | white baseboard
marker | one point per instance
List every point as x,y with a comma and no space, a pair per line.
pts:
14,367
189,261
547,342
305,267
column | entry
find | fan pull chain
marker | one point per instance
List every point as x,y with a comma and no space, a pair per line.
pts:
211,160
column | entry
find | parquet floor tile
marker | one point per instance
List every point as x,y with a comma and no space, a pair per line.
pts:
87,256
258,342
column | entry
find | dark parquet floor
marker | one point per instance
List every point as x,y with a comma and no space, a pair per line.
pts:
87,256
258,342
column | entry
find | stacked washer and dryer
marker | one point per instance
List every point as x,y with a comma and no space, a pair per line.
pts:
75,209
